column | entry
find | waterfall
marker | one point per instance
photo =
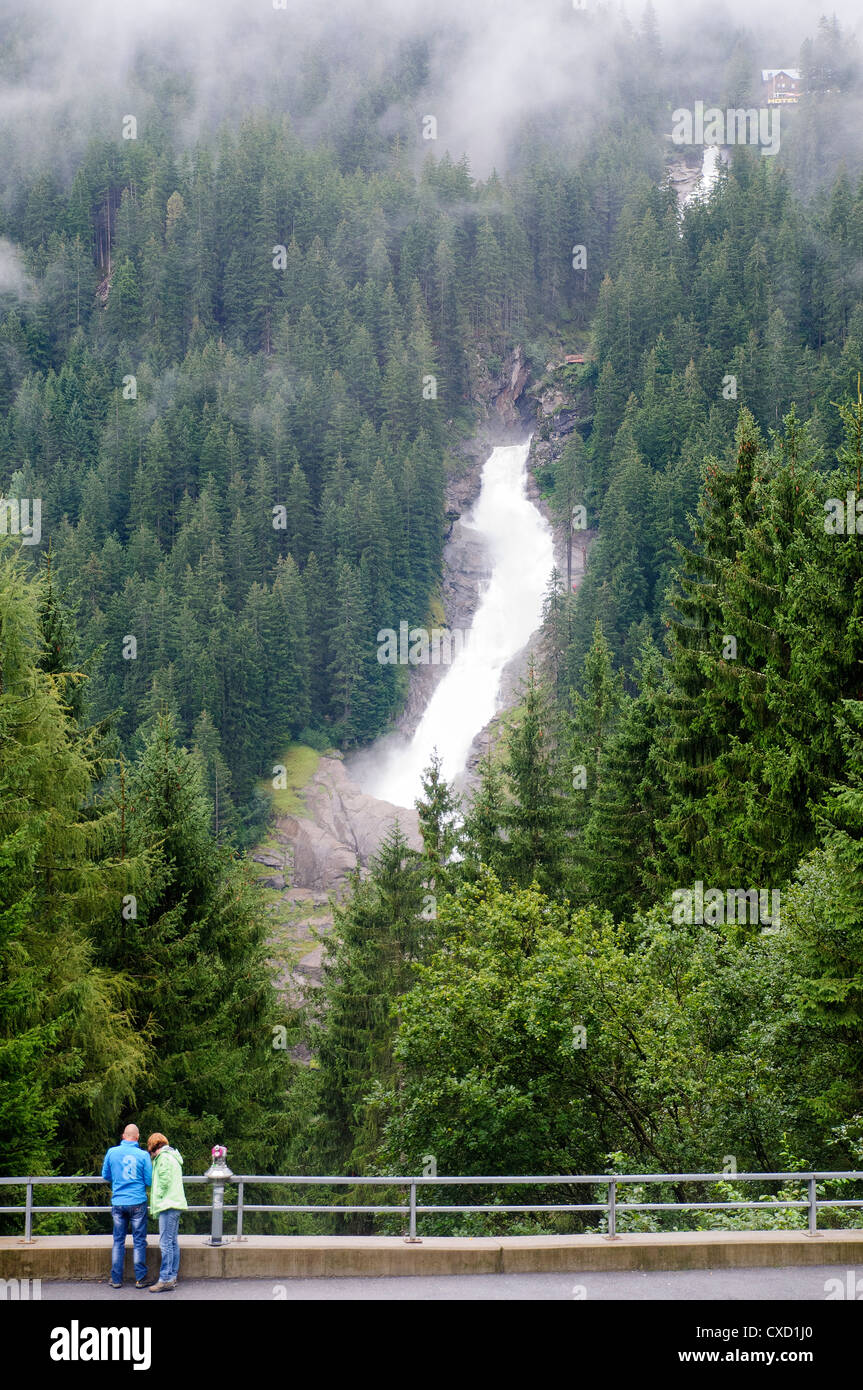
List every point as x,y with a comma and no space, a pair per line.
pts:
520,547
709,175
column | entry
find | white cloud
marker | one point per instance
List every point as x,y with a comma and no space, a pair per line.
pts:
13,277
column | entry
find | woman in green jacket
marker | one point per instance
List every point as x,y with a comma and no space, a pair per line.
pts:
167,1200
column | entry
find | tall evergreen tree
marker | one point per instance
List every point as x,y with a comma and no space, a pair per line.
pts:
69,1059
196,952
438,809
533,820
379,933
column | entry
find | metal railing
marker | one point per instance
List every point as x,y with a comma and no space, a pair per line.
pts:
610,1207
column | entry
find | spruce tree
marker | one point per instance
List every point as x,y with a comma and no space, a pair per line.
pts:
589,730
379,933
69,1060
196,953
621,834
438,810
822,922
533,820
484,838
765,644
216,778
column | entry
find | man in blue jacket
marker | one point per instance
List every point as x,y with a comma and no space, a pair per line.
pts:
129,1170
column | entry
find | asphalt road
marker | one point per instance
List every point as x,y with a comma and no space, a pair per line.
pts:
793,1284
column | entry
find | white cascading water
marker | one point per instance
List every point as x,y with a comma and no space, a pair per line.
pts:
521,551
709,175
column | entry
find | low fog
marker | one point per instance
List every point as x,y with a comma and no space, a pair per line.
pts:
69,71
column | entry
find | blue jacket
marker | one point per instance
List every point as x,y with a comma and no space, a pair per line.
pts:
129,1170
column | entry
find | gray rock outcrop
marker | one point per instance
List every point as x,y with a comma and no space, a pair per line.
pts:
340,831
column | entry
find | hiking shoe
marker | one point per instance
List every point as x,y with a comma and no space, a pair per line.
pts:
115,1286
171,1284
158,1286
142,1283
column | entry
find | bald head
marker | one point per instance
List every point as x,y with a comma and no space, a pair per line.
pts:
130,1132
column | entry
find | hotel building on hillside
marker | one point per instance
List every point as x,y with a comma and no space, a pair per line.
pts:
782,85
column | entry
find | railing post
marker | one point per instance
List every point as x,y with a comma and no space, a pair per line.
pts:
28,1216
612,1210
813,1209
411,1238
240,1235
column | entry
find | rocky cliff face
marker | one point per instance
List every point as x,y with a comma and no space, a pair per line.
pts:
309,859
499,395
341,830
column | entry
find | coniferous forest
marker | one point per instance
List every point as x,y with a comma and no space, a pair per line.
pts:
218,330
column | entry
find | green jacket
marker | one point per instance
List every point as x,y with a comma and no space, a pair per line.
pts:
166,1192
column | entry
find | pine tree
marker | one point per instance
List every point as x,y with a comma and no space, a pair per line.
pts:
301,521
764,647
196,954
533,822
438,809
556,631
621,835
216,777
591,725
288,661
350,671
60,654
822,921
700,719
569,491
68,1057
379,932
484,837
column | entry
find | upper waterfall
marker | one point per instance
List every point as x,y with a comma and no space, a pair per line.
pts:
521,551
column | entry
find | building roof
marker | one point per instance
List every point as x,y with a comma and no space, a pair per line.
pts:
767,73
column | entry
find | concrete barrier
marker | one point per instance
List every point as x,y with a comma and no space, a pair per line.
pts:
286,1257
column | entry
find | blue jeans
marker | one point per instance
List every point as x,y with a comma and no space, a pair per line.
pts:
122,1218
169,1242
